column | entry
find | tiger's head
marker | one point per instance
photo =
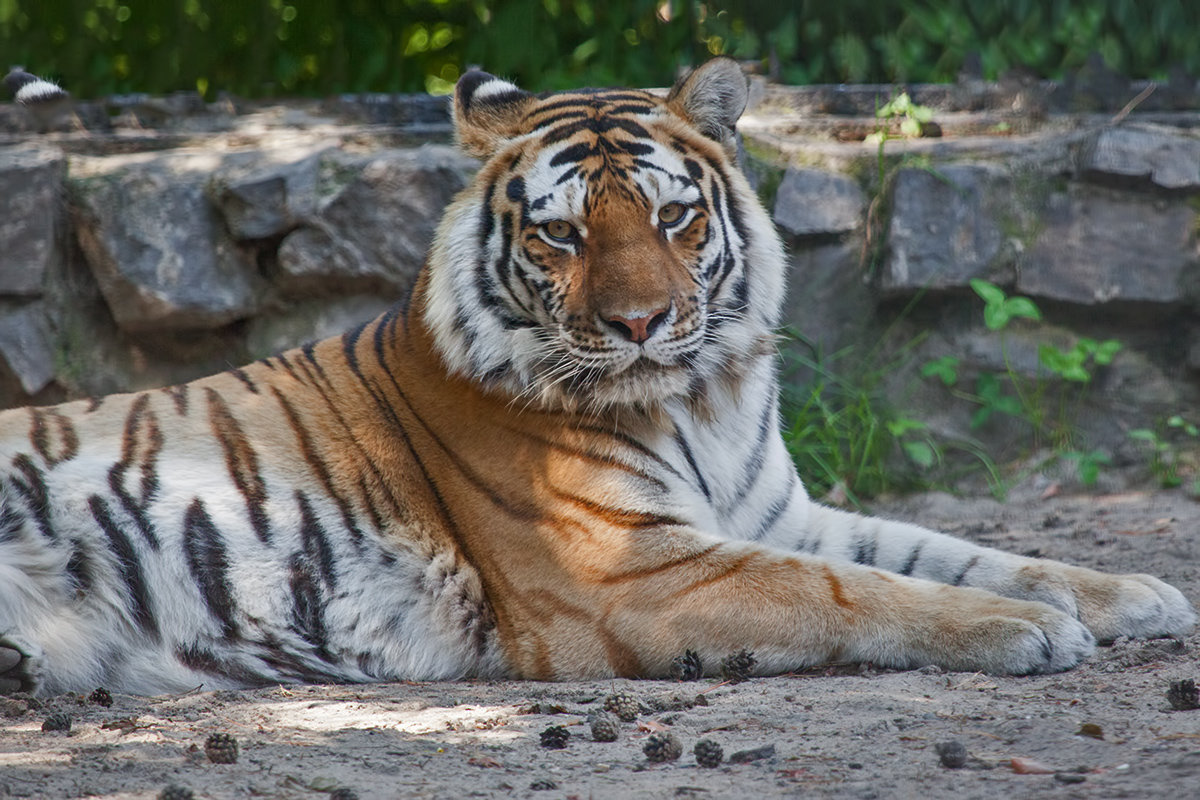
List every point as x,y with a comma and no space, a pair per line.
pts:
609,252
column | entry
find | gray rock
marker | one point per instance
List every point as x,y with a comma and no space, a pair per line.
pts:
308,321
27,345
1098,246
1162,157
949,227
156,245
814,202
827,306
263,195
373,229
31,183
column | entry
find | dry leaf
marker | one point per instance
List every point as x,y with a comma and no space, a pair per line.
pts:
1027,766
483,761
125,725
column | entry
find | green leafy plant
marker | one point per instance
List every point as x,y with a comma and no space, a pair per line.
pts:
1166,453
1048,401
1088,463
912,116
844,436
999,309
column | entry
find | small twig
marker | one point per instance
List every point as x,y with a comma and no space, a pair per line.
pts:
1134,103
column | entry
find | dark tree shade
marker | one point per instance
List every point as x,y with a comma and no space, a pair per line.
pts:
257,48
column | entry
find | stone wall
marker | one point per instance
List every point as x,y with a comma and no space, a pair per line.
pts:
1095,217
149,241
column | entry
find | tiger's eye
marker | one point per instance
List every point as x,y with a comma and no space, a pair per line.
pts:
559,230
671,213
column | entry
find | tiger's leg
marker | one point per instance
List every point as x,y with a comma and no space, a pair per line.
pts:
1109,605
673,590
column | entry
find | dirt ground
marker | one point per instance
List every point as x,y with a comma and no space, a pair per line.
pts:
1105,729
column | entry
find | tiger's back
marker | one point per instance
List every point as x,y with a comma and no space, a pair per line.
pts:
561,458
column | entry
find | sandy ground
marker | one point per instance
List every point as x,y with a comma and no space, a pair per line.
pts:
1105,729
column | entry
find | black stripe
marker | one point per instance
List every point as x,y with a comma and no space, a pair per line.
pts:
33,489
514,190
554,119
241,375
591,103
308,617
80,567
865,549
775,511
11,520
41,436
179,396
380,484
487,222
309,451
130,565
572,155
909,565
142,437
197,658
735,212
349,343
241,462
315,541
280,658
967,568
758,457
691,460
209,564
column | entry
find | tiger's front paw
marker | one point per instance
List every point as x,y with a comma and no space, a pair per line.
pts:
1132,605
18,667
1037,640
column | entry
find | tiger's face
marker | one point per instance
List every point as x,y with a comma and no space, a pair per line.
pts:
609,252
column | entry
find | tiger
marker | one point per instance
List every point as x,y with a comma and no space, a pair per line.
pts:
560,457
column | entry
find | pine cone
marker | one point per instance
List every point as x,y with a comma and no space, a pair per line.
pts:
57,721
663,746
555,737
605,727
708,753
687,667
221,748
624,705
176,792
1183,695
101,697
736,668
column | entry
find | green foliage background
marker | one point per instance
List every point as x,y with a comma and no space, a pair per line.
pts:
256,48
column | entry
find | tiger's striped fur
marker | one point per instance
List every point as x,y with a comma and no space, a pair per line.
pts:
562,458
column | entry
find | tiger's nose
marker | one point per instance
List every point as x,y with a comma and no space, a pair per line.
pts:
637,328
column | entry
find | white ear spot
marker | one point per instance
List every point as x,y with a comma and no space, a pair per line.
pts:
487,112
29,89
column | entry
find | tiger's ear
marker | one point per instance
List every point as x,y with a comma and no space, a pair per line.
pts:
487,112
711,97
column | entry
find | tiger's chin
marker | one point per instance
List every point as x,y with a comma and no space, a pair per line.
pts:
643,385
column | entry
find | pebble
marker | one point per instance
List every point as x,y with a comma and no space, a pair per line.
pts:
952,753
745,756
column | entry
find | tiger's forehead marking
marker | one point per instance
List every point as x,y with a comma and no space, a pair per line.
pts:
599,146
